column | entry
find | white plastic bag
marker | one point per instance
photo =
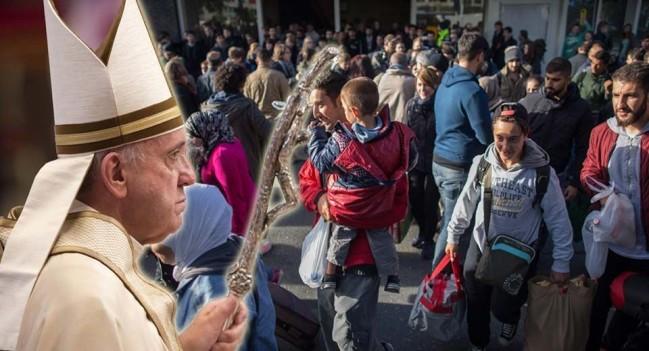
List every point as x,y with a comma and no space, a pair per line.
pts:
314,254
615,223
596,252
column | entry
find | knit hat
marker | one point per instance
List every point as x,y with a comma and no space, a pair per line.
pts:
512,53
434,59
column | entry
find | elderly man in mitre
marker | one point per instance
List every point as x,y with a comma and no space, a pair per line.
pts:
68,275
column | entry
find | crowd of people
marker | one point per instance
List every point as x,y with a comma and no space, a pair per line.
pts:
450,116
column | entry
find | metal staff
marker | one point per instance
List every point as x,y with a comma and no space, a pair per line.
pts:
288,126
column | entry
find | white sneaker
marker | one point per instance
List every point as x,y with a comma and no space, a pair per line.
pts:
507,333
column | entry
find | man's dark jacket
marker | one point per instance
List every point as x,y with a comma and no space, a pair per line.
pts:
561,128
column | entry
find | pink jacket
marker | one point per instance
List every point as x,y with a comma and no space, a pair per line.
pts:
227,168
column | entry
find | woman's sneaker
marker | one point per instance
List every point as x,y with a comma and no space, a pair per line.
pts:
507,333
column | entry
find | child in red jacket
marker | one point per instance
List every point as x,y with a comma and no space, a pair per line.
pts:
367,158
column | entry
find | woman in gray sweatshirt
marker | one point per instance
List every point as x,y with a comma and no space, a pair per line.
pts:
513,160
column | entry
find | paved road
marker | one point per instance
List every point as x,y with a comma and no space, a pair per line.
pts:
393,311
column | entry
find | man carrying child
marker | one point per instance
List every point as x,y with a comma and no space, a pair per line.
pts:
361,186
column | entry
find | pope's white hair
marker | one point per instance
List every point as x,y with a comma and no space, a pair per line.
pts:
129,153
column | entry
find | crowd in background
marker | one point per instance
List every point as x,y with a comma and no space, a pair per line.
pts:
450,87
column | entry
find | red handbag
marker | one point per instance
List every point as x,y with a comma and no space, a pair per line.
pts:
441,291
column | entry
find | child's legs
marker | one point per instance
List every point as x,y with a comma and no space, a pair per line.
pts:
384,251
341,238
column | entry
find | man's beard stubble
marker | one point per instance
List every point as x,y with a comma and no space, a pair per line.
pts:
634,115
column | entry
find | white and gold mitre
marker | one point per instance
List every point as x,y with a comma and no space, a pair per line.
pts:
104,99
115,96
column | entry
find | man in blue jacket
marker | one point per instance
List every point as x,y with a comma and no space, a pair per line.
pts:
463,126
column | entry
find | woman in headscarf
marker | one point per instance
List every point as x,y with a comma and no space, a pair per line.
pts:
202,250
219,159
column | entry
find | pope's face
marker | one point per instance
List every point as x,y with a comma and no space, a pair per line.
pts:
155,198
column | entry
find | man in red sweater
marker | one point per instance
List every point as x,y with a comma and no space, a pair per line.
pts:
619,154
346,314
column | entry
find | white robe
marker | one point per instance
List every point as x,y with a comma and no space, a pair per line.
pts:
90,296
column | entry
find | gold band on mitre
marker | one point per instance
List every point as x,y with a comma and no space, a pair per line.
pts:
137,125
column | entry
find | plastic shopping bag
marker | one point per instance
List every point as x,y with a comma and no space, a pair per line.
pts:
616,221
440,304
558,317
314,254
596,251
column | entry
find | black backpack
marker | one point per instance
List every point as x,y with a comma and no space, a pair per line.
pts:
483,178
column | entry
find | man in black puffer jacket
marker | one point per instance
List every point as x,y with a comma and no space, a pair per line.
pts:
560,122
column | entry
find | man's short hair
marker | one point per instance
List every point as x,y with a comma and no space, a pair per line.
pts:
399,58
331,83
603,56
637,72
586,45
236,53
508,29
471,45
361,93
213,58
263,54
559,65
598,44
230,78
637,54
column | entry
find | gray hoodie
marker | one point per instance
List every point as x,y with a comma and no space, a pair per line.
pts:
512,212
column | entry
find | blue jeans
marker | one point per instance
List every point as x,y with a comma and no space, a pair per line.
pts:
450,183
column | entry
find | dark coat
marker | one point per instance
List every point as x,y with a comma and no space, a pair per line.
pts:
560,127
420,117
250,126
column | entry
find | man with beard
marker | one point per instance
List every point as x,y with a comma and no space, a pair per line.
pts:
381,59
619,154
560,122
512,77
592,83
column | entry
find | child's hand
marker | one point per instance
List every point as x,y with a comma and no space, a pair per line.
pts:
316,123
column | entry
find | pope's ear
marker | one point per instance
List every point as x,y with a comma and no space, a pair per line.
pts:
111,174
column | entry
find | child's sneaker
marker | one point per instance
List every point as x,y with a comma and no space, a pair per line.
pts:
507,333
329,281
393,284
